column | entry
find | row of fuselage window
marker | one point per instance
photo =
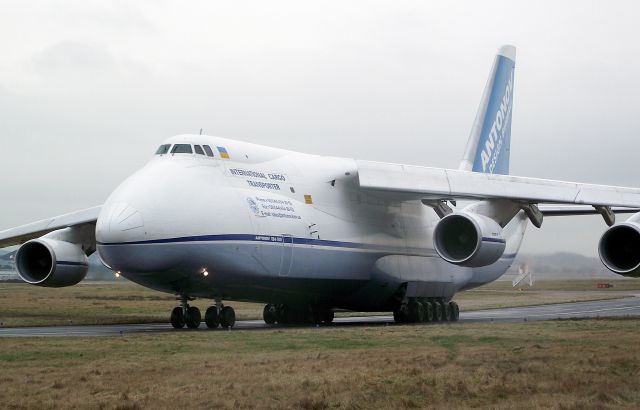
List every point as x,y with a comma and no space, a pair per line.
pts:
184,149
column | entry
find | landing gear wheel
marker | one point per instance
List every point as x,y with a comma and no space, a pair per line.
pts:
455,311
428,311
400,315
446,312
416,312
227,317
327,316
281,314
211,318
192,317
437,312
269,314
291,316
177,317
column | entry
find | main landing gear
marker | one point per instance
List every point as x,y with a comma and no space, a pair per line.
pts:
214,317
422,310
220,315
288,315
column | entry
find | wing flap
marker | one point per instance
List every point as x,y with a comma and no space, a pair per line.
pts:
417,182
567,210
21,234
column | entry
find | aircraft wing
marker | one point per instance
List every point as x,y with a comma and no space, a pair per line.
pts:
417,182
21,234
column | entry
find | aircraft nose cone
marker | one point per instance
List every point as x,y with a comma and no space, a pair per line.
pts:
128,225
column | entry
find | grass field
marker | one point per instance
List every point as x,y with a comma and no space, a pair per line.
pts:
589,364
125,302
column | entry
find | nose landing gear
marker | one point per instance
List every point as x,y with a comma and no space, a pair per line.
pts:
217,315
185,315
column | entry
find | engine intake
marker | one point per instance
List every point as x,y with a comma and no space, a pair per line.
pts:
619,248
468,239
51,263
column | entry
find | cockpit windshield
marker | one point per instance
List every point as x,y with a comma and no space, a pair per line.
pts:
163,149
182,149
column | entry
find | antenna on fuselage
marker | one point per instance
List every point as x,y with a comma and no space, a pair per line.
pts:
200,131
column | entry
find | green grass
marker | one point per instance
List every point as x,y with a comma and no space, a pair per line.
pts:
589,364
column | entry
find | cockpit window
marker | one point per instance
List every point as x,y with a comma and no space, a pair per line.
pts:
163,149
198,149
182,149
207,149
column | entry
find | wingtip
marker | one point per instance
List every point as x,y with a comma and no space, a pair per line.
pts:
508,51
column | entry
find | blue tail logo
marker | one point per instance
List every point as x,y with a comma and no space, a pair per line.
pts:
493,146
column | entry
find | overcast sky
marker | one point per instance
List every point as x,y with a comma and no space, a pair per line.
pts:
89,89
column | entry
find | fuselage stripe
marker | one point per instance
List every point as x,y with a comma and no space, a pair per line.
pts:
286,240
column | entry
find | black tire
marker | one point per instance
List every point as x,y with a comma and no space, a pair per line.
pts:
416,312
281,316
177,318
455,311
291,316
328,316
400,315
422,315
211,318
428,311
437,312
227,317
446,312
397,316
269,314
316,317
193,318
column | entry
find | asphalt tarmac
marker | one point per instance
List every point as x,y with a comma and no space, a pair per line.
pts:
629,306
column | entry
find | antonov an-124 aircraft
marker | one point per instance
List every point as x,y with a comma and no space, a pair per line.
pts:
219,219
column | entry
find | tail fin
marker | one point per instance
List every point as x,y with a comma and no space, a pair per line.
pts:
490,140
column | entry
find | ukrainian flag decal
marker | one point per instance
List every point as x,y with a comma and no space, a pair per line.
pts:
223,152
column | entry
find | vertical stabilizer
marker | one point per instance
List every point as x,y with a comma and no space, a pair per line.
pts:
490,139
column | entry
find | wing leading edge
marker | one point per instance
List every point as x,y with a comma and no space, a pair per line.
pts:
21,234
418,182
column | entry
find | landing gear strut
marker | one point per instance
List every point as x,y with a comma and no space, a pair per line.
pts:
421,310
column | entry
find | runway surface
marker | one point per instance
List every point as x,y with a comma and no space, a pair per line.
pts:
629,306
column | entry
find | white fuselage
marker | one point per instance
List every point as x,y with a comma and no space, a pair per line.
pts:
277,226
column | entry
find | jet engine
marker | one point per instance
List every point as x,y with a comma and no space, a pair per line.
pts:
51,262
468,239
619,248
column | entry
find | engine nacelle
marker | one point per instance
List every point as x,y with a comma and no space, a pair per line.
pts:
468,239
619,248
51,263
